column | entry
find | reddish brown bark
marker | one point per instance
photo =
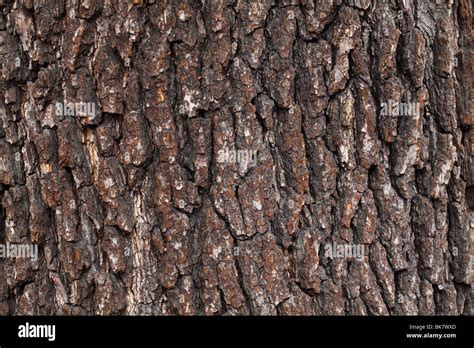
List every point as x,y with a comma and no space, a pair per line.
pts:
137,210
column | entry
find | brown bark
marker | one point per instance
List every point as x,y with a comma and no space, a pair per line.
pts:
133,207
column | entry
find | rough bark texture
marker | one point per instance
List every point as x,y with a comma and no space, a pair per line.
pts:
132,209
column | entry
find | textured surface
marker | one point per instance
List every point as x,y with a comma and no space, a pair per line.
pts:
133,209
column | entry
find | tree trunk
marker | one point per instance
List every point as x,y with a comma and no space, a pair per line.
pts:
236,157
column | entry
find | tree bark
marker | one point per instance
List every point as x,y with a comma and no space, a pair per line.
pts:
232,149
